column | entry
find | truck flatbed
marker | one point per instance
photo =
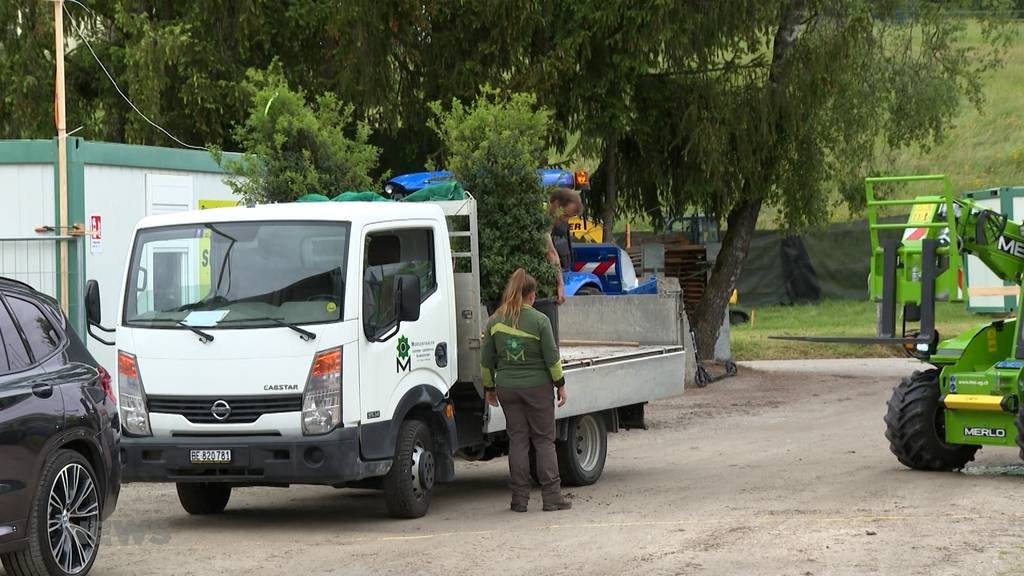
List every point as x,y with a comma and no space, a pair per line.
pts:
591,355
599,377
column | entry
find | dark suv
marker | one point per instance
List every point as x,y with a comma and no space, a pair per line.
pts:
59,469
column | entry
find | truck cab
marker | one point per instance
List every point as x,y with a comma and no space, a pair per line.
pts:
317,343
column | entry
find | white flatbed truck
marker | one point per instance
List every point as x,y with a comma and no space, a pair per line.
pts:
334,344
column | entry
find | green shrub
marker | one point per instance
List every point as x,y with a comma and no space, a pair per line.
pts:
293,148
493,148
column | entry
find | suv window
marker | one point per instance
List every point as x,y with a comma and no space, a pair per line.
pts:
14,356
42,338
388,254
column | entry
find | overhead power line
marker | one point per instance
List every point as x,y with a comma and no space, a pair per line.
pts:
114,82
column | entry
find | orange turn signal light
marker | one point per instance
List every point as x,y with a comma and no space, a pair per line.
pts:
581,177
327,362
126,365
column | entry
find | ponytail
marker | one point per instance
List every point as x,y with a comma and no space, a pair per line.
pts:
519,286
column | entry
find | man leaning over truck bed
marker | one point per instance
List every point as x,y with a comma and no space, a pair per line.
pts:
520,367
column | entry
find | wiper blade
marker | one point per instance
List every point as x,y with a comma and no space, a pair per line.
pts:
306,335
204,337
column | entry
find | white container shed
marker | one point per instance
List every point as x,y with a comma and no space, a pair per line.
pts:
113,185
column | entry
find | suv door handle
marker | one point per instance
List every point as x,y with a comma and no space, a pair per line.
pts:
43,390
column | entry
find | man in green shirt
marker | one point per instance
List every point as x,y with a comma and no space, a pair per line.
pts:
521,369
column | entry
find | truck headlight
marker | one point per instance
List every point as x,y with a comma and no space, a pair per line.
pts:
131,396
321,401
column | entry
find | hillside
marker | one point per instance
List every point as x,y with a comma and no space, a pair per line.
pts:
983,149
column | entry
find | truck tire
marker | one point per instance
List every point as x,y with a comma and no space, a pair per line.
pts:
581,456
588,291
203,498
409,484
915,427
64,471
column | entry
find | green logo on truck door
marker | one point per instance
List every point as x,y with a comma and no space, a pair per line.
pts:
403,363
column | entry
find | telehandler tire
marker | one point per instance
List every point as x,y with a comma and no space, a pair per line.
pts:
1020,431
915,427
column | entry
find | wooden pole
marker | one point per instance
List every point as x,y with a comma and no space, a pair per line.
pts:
62,148
629,239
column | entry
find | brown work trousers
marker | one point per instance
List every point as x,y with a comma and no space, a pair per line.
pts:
530,418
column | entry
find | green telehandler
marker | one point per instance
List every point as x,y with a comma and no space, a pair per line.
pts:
938,418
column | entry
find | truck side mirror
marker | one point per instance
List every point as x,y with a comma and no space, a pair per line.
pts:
93,311
407,297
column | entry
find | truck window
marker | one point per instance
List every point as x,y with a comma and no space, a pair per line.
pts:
254,274
386,255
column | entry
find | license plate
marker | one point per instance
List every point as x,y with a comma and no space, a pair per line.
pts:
210,456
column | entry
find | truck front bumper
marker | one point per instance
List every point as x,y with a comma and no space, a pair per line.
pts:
330,459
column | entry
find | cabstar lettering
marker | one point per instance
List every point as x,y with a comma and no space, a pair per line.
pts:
985,432
1011,247
281,387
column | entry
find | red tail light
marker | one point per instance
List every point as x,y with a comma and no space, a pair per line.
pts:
105,383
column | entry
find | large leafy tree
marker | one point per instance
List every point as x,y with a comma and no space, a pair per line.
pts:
297,145
493,146
787,106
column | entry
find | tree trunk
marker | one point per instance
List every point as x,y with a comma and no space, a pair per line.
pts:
711,308
742,218
611,190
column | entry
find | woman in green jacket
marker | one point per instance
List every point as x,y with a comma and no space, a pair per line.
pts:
522,370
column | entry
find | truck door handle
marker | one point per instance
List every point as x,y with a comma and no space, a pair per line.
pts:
43,390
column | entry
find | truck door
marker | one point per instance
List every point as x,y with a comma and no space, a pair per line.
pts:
392,362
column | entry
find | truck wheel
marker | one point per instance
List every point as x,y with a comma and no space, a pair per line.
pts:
581,456
64,523
203,498
588,291
409,485
916,429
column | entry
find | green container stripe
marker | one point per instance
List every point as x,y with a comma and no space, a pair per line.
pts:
975,427
154,157
28,151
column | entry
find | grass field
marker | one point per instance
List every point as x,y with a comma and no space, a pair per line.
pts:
830,318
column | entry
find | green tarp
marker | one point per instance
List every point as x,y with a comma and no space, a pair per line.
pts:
313,198
359,197
436,193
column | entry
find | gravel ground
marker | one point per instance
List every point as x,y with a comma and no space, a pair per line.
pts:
781,470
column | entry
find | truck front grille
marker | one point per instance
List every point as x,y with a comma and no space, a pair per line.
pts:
243,409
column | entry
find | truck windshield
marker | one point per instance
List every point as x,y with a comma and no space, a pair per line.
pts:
241,274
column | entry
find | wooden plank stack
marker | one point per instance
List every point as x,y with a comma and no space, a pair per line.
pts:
684,261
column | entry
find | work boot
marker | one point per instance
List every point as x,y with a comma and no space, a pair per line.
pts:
517,507
560,504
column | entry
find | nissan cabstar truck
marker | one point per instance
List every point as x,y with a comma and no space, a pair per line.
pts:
335,344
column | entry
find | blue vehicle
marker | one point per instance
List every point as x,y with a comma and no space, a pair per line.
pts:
596,268
401,186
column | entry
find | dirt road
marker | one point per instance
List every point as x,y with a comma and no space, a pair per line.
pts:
782,470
